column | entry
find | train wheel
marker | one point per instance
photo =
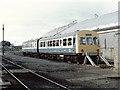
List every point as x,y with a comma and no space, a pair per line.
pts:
78,63
69,62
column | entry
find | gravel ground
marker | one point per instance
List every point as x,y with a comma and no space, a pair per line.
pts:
79,75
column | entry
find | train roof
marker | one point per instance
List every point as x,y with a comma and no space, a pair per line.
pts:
29,41
56,36
99,22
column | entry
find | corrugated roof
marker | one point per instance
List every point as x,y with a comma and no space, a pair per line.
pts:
106,20
101,21
60,29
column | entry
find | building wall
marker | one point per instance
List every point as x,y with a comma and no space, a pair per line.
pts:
108,53
117,51
107,44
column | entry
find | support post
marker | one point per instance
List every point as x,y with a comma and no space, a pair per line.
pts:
3,41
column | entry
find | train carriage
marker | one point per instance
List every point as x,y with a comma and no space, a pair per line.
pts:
66,47
76,42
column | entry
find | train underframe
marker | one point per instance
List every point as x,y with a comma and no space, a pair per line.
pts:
65,57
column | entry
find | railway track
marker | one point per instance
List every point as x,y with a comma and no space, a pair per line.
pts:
26,79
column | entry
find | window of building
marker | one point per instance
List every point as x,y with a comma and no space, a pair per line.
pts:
64,42
82,41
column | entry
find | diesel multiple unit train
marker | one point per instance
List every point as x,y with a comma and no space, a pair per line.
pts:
71,47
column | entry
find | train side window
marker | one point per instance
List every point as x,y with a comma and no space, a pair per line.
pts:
43,44
35,44
53,43
60,42
69,41
57,42
40,44
82,41
89,41
74,41
50,43
95,40
64,42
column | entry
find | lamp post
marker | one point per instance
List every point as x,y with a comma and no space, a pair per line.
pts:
3,41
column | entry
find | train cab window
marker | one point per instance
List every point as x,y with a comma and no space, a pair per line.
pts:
82,41
57,42
69,41
95,40
53,43
89,41
64,42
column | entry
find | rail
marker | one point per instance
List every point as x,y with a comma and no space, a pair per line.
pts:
15,77
41,76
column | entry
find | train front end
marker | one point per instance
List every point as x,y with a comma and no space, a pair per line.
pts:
87,45
87,42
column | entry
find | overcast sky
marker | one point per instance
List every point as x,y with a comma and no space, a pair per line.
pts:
30,19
